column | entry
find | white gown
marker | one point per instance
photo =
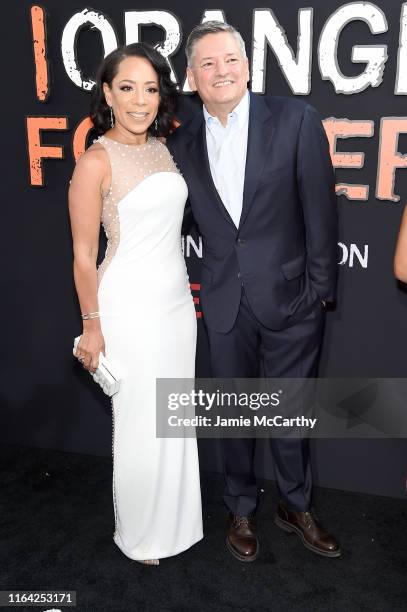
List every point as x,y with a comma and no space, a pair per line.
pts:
149,325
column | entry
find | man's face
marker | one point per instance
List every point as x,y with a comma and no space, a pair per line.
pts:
219,72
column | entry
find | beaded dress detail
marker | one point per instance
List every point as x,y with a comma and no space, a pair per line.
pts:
130,164
148,322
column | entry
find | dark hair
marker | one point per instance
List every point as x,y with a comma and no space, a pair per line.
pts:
99,109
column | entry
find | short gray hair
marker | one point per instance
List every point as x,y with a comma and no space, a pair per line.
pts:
211,27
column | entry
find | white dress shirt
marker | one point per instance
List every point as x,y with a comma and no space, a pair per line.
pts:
227,147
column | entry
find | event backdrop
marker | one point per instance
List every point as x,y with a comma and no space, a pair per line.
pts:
349,60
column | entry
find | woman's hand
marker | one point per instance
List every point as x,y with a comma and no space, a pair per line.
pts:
90,346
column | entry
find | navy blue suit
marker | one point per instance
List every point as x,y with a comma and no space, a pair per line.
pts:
263,283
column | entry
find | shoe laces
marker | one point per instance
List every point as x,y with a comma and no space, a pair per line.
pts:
310,519
241,520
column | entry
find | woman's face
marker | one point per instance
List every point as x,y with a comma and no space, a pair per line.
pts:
134,97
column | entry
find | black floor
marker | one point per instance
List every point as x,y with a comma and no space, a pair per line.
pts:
56,533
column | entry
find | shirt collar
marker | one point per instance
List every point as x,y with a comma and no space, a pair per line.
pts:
240,112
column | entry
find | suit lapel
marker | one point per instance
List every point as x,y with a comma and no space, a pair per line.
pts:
199,156
261,128
259,141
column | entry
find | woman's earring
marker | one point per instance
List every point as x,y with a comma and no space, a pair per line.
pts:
156,124
111,117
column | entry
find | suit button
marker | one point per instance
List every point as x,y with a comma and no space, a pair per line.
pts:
239,275
241,241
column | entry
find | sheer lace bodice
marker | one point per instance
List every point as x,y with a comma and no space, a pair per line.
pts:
130,165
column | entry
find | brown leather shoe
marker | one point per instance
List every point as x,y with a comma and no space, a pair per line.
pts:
241,540
310,531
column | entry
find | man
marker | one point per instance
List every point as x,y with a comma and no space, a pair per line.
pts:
261,190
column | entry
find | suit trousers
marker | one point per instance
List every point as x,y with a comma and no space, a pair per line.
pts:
250,350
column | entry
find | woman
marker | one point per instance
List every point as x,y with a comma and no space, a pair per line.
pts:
400,258
138,304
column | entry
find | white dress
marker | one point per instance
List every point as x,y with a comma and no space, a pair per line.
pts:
149,325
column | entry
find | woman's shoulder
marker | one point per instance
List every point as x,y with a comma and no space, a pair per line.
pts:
96,149
160,143
165,148
93,165
95,157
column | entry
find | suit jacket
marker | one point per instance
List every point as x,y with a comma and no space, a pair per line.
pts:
284,251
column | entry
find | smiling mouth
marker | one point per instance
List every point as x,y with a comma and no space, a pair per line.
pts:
222,83
136,115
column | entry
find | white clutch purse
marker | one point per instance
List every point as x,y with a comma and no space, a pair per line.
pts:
106,375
